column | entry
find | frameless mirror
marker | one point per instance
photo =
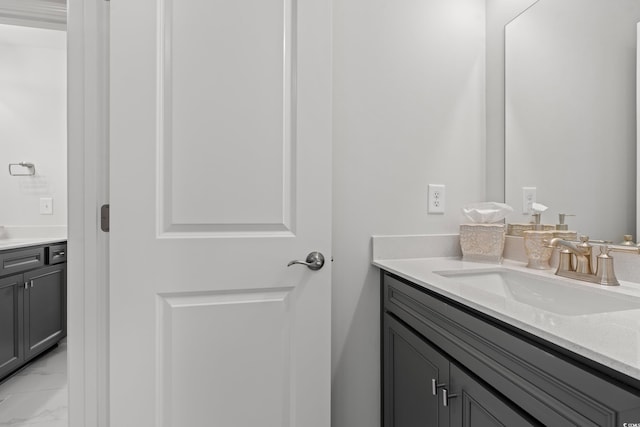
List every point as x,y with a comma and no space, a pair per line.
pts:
570,113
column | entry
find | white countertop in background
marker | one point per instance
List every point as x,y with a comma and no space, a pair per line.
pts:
14,237
26,242
611,339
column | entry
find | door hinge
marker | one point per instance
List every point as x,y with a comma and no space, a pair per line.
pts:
104,218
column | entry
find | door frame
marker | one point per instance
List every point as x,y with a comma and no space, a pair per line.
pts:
87,27
88,187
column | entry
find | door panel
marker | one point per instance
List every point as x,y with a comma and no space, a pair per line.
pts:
410,366
476,406
11,347
44,308
220,175
253,346
228,129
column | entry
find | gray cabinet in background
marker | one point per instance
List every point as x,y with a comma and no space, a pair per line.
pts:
33,308
11,320
45,299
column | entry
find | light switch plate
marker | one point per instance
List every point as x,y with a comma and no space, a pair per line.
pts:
46,206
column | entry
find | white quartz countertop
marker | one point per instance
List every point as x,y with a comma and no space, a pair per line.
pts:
609,338
26,242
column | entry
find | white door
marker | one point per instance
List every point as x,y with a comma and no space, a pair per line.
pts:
220,175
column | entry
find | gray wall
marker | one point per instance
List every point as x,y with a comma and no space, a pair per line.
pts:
409,110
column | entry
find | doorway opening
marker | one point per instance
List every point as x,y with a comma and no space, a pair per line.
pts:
33,219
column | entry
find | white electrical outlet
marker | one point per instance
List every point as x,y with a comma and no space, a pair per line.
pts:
436,198
528,198
46,206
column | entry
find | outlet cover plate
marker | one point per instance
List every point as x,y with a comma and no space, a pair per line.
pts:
528,198
436,198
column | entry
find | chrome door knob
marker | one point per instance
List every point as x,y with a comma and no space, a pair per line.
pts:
314,261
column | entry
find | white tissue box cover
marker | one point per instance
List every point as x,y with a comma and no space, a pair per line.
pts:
482,242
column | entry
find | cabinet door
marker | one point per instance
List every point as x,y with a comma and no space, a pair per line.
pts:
11,346
473,405
410,366
44,308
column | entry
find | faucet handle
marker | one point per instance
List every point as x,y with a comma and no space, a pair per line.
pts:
585,244
625,249
606,242
628,240
604,269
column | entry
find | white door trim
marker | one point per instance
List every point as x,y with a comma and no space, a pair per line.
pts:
87,30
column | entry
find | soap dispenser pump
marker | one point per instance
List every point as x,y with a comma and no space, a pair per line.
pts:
536,242
562,229
537,226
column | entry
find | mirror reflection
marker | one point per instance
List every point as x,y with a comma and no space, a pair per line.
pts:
570,113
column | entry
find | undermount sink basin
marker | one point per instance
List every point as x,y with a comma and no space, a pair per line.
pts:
548,294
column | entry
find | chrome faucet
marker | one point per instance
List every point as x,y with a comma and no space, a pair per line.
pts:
582,269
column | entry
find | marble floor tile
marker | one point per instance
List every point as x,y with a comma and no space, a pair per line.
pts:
54,362
37,395
22,383
35,408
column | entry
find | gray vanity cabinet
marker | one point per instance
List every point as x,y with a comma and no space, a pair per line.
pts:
419,380
33,303
11,317
44,308
475,405
410,367
493,373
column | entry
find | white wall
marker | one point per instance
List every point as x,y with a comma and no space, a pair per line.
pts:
409,110
33,123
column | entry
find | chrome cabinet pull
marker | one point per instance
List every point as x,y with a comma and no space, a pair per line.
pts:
435,386
446,396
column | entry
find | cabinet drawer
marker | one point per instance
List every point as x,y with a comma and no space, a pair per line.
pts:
20,260
56,254
554,389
